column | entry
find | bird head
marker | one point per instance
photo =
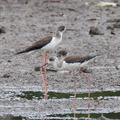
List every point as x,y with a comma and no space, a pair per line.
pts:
51,60
61,28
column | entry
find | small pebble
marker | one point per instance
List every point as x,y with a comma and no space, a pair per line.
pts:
6,76
112,32
95,31
118,67
96,99
2,30
61,14
9,61
62,53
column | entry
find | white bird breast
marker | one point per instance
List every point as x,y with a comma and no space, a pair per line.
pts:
54,43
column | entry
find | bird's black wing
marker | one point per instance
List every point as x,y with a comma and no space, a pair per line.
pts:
78,58
37,45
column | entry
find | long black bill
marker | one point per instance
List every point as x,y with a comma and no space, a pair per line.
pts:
43,65
70,29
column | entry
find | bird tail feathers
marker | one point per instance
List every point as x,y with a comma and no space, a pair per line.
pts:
20,52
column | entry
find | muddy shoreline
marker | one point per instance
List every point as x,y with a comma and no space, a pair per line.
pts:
23,22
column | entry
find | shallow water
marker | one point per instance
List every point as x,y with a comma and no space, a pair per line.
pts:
105,116
21,98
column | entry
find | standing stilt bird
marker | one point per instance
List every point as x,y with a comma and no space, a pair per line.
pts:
72,63
46,44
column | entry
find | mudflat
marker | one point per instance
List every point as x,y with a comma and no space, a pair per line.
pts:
23,22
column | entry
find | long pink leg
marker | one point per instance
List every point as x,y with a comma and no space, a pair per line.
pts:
45,77
41,71
74,93
90,82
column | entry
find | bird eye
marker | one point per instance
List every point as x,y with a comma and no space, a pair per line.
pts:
61,28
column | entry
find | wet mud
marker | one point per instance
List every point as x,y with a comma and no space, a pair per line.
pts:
22,22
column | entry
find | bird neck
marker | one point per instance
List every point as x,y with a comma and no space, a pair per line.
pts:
57,64
58,34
